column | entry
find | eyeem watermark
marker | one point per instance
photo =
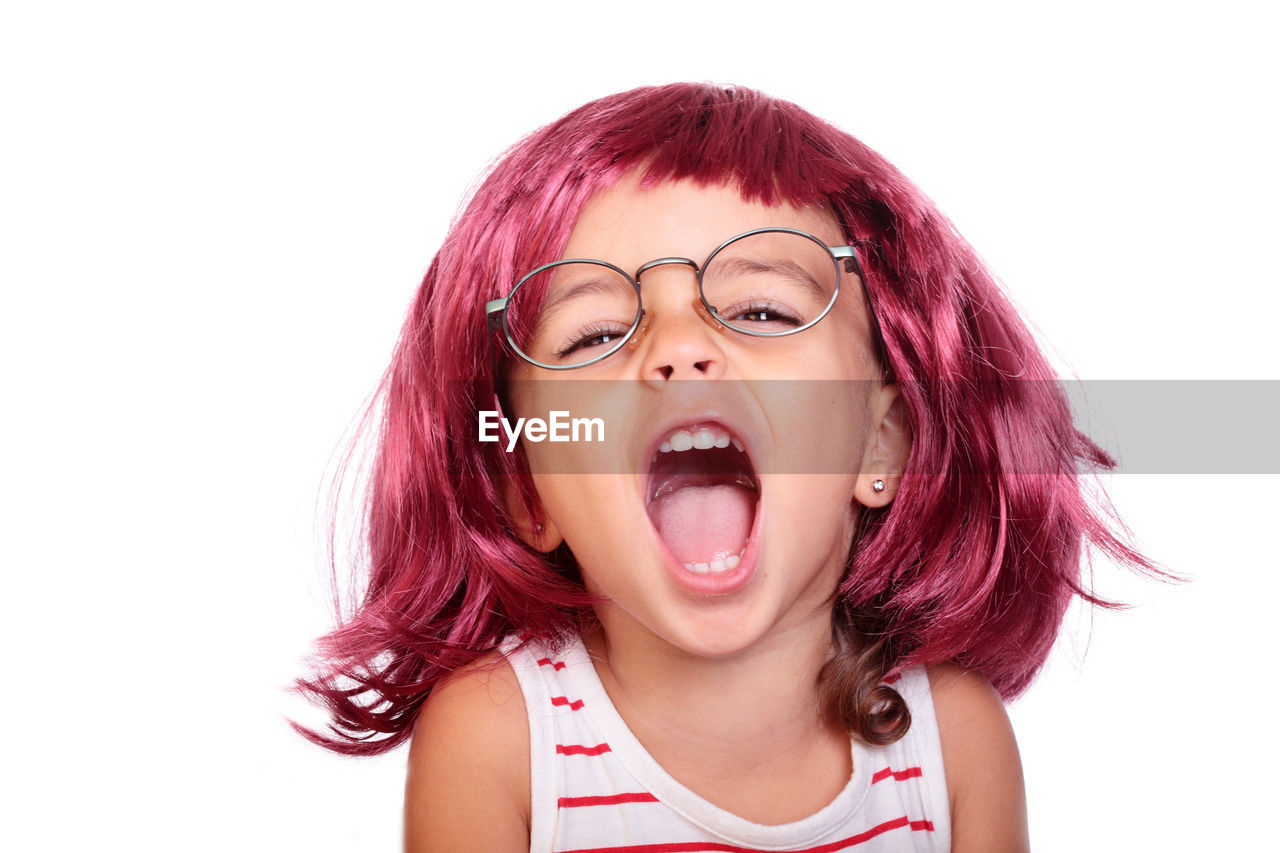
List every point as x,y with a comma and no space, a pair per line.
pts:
560,426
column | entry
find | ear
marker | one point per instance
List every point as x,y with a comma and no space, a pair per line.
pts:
530,522
888,446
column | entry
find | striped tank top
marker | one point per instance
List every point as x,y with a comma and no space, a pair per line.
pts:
595,788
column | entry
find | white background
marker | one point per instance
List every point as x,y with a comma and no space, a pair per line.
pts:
213,217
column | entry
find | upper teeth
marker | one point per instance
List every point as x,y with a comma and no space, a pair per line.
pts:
701,438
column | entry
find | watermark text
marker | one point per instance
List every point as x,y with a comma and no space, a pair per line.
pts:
559,426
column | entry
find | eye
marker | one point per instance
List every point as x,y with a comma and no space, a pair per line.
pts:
590,338
760,313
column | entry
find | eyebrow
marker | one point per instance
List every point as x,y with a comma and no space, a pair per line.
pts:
789,269
599,283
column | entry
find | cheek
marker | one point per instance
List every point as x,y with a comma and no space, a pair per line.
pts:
823,431
822,506
575,425
812,531
820,425
844,341
595,513
604,527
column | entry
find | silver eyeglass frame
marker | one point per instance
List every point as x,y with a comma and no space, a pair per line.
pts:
496,309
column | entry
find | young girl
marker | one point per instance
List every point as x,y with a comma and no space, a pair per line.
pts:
830,517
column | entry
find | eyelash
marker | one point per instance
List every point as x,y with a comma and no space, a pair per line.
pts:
779,313
589,334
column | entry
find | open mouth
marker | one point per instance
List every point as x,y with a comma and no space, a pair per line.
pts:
702,497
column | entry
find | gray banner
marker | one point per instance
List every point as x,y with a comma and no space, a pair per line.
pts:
822,426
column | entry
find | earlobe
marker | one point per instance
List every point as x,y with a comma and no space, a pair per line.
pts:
529,522
543,538
888,446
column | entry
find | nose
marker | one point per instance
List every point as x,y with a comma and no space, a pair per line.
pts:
678,342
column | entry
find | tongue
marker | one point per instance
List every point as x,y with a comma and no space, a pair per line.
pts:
704,523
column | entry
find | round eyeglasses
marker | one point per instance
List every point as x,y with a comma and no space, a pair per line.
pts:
766,283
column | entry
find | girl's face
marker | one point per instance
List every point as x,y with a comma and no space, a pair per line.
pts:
714,550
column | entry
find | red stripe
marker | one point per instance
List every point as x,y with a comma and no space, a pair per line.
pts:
705,846
614,799
909,773
559,664
891,679
564,700
579,749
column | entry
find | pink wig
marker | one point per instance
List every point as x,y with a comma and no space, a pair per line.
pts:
974,562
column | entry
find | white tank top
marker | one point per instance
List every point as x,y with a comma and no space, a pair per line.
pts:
595,788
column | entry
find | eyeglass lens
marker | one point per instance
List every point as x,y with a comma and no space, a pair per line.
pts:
766,284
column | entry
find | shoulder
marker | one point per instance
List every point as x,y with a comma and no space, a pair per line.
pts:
983,768
468,779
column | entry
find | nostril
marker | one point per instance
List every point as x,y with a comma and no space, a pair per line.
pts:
681,348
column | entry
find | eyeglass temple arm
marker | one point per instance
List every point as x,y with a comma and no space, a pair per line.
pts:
493,312
853,264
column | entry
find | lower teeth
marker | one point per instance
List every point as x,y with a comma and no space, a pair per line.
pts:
730,562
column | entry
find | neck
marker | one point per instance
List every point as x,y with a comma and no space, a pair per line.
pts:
727,712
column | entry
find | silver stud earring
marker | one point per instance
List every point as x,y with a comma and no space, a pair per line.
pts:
877,486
